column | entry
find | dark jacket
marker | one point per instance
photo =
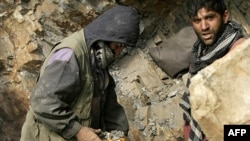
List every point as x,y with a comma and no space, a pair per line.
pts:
55,100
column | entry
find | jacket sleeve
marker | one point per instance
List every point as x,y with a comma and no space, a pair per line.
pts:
114,115
55,90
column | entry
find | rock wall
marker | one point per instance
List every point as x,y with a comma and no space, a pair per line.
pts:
240,12
29,28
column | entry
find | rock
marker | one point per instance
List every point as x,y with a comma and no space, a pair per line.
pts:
219,94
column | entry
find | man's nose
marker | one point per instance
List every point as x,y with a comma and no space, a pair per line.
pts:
204,25
118,50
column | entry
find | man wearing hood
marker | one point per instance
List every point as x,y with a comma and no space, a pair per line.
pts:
74,97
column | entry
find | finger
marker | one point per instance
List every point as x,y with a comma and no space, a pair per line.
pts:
97,130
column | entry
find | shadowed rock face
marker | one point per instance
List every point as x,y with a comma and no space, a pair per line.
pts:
29,28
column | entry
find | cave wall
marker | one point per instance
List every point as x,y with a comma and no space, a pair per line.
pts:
29,28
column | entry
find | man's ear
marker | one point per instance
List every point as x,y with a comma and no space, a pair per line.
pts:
226,16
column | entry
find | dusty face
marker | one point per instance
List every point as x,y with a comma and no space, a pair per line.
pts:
208,25
117,48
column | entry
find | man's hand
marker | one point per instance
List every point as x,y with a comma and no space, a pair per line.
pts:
88,134
126,138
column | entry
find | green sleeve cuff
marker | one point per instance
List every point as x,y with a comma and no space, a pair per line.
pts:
71,131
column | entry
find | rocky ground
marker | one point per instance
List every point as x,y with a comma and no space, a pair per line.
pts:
30,28
150,98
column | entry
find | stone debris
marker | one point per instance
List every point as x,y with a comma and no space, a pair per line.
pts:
112,135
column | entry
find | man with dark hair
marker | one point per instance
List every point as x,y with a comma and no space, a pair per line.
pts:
74,97
217,36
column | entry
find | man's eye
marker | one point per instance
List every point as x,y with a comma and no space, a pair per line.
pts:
210,17
121,45
196,20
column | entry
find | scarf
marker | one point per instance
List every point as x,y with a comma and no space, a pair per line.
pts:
198,61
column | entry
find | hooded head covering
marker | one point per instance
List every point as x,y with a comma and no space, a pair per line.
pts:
118,24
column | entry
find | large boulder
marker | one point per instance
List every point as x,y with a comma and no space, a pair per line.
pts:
219,94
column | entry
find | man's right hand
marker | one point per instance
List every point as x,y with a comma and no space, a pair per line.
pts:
88,134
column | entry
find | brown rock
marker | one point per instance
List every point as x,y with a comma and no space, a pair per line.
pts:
219,94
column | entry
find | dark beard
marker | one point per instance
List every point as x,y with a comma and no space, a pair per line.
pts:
220,31
203,56
217,35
